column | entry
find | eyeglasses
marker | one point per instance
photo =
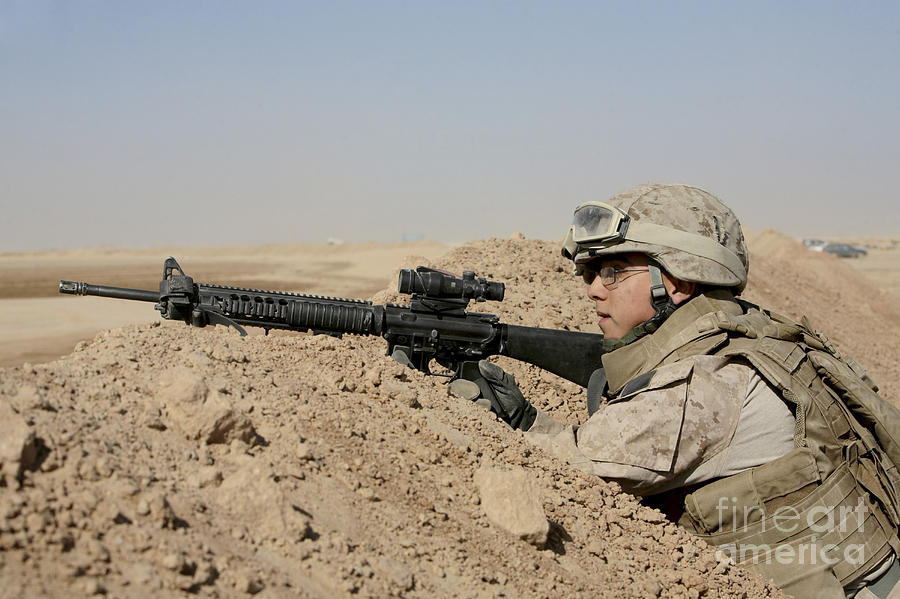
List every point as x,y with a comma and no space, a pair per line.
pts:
609,275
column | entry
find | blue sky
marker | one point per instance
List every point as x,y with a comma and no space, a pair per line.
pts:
223,123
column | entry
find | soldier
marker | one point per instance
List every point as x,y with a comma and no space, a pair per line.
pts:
722,414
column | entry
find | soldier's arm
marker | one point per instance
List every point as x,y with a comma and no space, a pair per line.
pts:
656,436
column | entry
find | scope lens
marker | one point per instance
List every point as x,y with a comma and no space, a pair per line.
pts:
494,291
407,282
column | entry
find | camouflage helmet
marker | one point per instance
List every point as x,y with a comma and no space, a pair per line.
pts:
687,230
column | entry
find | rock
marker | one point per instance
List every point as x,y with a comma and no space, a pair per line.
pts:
182,387
227,354
396,572
303,452
249,583
652,516
401,393
512,501
200,359
200,413
174,562
289,383
29,397
206,476
18,450
140,574
91,586
209,476
254,498
449,433
373,377
204,574
464,389
156,506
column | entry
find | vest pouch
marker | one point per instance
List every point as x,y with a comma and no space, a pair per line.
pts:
873,412
828,519
734,502
813,579
869,410
868,467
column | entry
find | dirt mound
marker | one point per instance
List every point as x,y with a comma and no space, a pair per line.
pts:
163,460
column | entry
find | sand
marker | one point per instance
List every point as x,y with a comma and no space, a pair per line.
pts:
158,459
38,324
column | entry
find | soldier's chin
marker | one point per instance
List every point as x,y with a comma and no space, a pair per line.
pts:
605,326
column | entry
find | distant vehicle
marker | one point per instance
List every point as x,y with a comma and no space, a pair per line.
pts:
844,250
814,244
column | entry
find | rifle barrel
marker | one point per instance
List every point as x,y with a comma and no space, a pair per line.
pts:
79,288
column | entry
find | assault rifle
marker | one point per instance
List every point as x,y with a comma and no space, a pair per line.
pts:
434,327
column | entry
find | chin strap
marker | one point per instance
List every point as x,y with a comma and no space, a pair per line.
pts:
658,295
662,304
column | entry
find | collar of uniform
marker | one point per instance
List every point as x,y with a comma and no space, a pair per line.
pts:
688,323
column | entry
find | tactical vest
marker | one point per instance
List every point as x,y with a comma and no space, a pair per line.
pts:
837,492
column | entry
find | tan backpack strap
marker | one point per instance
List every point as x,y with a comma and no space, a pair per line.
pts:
771,366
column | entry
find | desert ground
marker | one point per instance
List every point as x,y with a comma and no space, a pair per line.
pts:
147,459
38,324
882,264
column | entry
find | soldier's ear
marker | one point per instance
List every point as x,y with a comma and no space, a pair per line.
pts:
680,291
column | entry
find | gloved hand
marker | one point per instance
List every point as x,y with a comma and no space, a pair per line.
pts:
508,402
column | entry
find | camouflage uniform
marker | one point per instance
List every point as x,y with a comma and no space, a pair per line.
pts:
680,415
691,405
699,418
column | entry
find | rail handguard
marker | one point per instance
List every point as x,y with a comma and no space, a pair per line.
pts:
434,326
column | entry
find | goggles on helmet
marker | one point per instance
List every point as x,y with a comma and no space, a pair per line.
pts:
597,226
594,224
596,221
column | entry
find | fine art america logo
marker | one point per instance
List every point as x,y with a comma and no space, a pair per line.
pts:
803,534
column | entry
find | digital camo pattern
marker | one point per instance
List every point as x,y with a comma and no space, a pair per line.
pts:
660,436
690,209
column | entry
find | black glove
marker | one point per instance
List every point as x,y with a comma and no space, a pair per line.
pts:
507,402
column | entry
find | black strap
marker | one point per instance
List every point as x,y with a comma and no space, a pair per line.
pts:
596,389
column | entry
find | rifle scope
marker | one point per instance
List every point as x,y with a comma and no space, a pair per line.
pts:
443,285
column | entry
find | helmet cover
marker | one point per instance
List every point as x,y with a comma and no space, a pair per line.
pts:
677,208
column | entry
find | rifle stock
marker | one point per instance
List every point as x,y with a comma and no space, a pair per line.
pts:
573,355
